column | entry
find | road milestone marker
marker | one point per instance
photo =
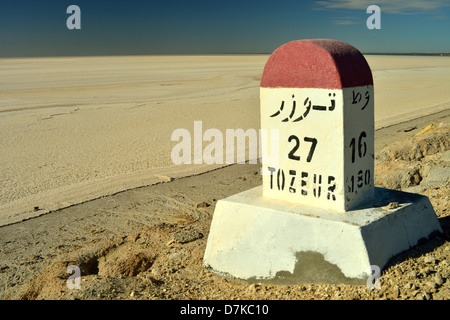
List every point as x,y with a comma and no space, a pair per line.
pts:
317,217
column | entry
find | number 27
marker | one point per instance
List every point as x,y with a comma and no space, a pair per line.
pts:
292,154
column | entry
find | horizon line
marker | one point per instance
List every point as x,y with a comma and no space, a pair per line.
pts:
204,54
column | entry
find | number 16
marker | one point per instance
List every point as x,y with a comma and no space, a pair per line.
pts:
362,147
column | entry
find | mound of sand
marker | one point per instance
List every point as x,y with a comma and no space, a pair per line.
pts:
415,164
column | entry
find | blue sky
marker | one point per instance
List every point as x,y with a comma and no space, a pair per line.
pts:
38,28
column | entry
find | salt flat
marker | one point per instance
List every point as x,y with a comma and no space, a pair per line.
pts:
77,128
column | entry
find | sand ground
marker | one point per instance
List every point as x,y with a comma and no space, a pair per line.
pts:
73,129
148,243
76,129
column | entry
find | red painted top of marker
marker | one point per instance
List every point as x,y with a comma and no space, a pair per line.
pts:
316,63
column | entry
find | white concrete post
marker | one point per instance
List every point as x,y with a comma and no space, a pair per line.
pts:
319,95
317,217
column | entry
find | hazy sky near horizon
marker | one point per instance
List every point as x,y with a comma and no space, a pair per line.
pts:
38,28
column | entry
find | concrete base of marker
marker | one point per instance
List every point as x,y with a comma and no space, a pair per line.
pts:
257,239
